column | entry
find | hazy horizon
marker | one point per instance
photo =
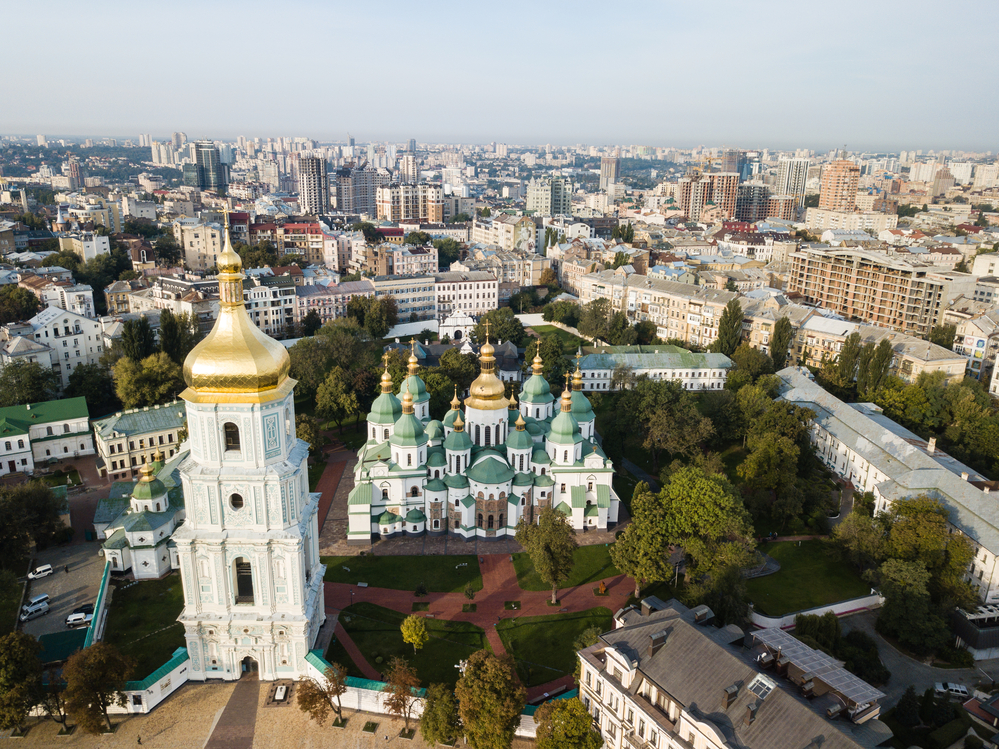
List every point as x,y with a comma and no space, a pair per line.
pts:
873,77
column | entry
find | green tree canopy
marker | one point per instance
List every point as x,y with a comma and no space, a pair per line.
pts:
320,697
401,689
503,326
17,304
566,724
640,551
551,544
178,335
440,722
95,680
94,383
154,380
24,382
554,362
138,339
418,238
20,678
311,323
729,329
490,700
335,398
448,251
29,514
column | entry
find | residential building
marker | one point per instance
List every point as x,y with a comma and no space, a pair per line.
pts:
200,242
766,246
130,439
86,244
549,196
356,187
862,445
886,291
840,180
666,678
212,173
409,202
610,171
792,174
117,295
73,339
609,368
414,295
401,260
329,302
66,295
38,432
507,232
181,296
474,293
977,339
271,303
313,185
699,192
820,219
16,344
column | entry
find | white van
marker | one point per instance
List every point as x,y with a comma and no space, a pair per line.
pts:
35,600
44,571
34,612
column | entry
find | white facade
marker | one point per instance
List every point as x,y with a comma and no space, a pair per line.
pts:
473,293
72,338
200,243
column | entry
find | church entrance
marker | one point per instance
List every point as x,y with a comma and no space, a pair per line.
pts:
248,667
457,334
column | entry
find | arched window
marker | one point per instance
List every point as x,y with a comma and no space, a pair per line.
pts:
563,488
501,520
384,492
236,502
521,462
480,519
489,526
386,434
437,524
492,496
488,435
231,436
565,456
477,435
542,471
409,459
415,492
437,474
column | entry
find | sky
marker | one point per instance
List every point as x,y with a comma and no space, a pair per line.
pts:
876,75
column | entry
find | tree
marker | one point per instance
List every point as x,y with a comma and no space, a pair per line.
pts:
335,398
53,698
550,543
860,540
414,631
460,368
381,316
594,318
906,612
291,258
780,342
849,355
640,551
448,251
943,335
307,428
880,365
319,698
907,708
17,304
752,361
178,335
29,514
137,339
678,429
646,332
440,722
729,329
311,323
550,279
565,724
503,326
730,285
368,230
418,238
20,679
94,383
95,680
402,687
490,700
554,363
167,250
24,382
156,379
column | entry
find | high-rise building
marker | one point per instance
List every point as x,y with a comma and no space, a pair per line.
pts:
179,139
313,185
75,174
700,191
42,141
408,171
211,172
412,145
356,188
732,160
610,171
403,202
791,177
838,192
550,196
350,140
752,201
248,551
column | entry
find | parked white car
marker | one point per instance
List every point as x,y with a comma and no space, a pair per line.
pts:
44,571
78,620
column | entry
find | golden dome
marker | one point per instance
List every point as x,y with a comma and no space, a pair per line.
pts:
537,366
487,393
454,401
414,363
459,423
236,361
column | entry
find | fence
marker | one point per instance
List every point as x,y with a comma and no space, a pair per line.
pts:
839,609
95,632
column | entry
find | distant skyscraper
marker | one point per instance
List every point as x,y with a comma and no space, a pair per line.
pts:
179,139
313,185
356,189
731,160
550,196
412,145
350,140
408,171
839,186
211,172
610,171
42,142
791,177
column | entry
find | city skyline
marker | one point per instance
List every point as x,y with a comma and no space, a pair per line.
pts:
667,75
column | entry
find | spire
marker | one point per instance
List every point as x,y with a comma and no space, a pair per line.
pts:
513,403
407,401
536,365
567,395
577,377
454,401
386,377
487,329
414,363
230,272
459,423
520,422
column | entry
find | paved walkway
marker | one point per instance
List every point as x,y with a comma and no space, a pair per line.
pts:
234,729
641,474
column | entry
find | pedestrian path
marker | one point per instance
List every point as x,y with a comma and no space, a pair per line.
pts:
234,729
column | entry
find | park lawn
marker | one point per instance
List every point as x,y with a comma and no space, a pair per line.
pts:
543,646
376,632
808,577
142,622
591,563
58,478
316,473
440,574
570,342
732,458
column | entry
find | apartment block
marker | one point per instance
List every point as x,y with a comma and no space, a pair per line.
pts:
549,196
507,232
408,202
129,439
329,302
838,191
200,242
871,286
86,244
657,362
473,292
73,339
821,219
401,260
67,295
414,295
697,193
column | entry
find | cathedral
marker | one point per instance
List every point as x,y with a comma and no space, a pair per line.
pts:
248,549
481,469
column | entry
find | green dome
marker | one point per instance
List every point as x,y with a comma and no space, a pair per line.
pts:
523,479
540,457
519,440
408,432
417,388
565,430
388,518
435,430
544,481
151,489
582,409
449,418
385,410
435,485
415,516
458,441
536,391
456,481
436,459
491,470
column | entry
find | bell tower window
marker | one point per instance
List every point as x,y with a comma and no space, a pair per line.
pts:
236,502
231,437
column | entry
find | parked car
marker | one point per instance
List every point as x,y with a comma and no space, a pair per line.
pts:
44,571
87,608
78,620
948,690
34,612
35,600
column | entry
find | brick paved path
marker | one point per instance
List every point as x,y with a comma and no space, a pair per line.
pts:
499,585
235,727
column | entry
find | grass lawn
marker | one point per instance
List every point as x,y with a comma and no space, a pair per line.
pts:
731,458
136,616
315,473
808,577
58,478
375,631
9,610
543,645
441,574
570,342
591,563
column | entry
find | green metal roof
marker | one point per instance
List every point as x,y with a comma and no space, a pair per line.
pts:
540,457
518,440
592,511
115,503
59,646
136,522
450,416
417,388
408,432
581,407
117,540
149,489
536,391
456,481
544,481
385,410
435,430
458,441
468,501
523,479
490,470
387,518
415,516
435,485
16,420
603,495
578,495
360,495
138,421
565,430
179,656
564,508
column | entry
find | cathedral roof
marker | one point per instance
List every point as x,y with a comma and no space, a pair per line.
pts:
435,485
490,470
487,392
435,430
523,479
415,516
456,481
458,441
